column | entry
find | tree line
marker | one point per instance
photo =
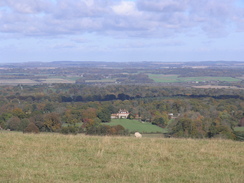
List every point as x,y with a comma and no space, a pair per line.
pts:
198,113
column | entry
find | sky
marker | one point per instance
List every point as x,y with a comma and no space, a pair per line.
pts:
121,30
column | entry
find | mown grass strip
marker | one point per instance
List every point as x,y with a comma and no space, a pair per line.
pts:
135,125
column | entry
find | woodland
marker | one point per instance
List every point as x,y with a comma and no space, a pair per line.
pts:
77,108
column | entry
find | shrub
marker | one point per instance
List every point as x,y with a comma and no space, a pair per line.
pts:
69,130
13,123
239,136
31,128
107,130
23,124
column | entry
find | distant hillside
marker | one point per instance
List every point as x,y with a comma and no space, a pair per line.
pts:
126,64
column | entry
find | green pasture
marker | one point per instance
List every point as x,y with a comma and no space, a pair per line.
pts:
135,125
239,129
73,78
201,79
161,78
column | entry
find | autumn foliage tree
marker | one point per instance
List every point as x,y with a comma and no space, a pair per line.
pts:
38,120
217,129
31,128
19,113
72,117
189,125
90,125
13,123
89,113
52,122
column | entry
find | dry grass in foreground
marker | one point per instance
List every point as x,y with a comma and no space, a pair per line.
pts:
58,158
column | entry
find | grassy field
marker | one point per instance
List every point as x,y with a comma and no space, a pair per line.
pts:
57,80
101,81
57,158
29,81
17,81
135,125
160,78
239,129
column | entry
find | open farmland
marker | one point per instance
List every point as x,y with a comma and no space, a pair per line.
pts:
57,80
65,158
202,79
160,78
135,125
35,82
17,81
216,86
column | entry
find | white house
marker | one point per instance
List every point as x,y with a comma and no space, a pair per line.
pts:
121,114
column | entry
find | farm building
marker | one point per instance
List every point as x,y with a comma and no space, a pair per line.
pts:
172,116
121,114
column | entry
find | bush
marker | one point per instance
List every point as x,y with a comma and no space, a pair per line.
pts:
23,124
69,130
107,130
31,128
239,136
13,123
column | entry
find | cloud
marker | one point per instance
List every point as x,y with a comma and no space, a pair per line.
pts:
121,18
28,6
69,9
125,8
239,19
147,44
162,6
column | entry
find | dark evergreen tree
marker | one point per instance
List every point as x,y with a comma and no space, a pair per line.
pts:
104,115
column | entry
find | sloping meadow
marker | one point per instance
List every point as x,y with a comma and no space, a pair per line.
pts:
66,158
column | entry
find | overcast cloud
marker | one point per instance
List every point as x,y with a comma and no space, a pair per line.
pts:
139,30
